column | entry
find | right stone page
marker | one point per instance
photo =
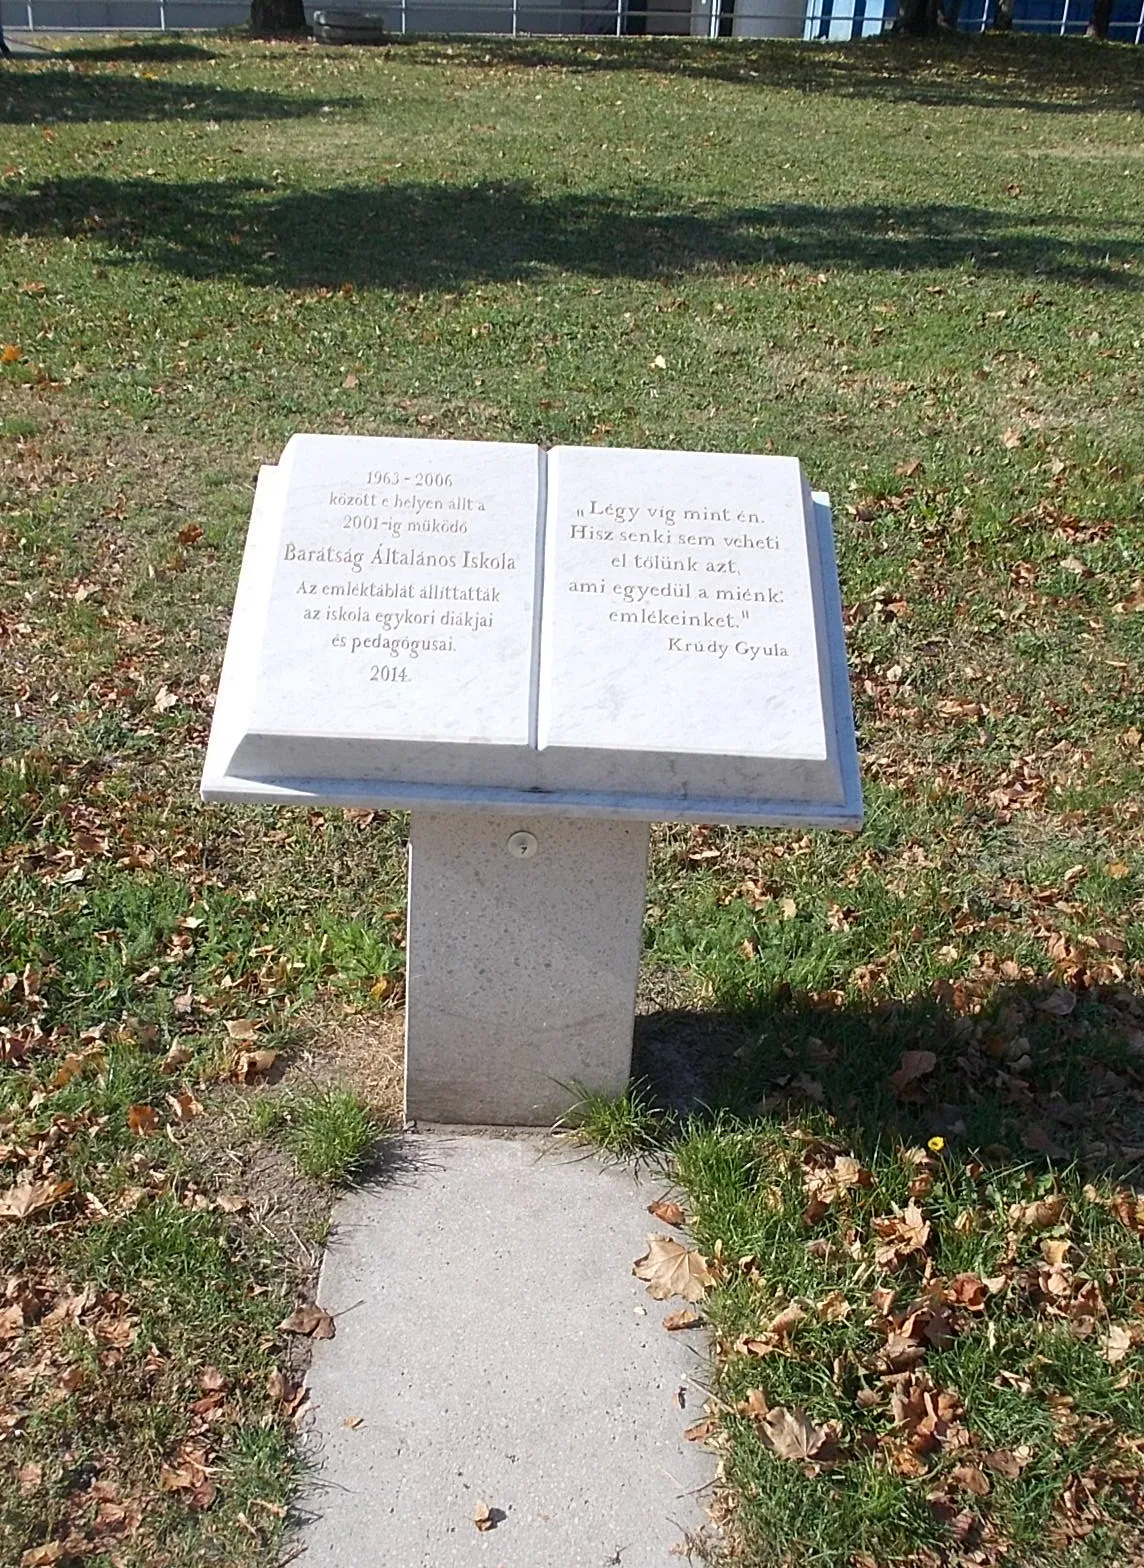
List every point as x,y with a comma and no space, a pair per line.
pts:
685,648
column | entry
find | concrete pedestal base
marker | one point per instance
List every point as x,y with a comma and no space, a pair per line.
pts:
524,949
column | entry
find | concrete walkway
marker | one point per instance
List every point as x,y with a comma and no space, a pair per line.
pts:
493,1348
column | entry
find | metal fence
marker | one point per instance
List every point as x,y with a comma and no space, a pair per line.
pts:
822,19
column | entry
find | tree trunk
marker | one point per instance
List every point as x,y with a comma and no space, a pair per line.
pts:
916,18
1101,19
278,19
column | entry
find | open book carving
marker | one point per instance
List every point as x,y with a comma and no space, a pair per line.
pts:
645,633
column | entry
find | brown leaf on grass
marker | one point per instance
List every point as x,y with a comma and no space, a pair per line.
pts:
252,1064
44,1556
142,1120
967,1290
185,1106
971,1479
29,1477
1116,1343
791,1434
1008,1462
927,1414
834,1308
313,1321
670,1213
1060,1003
211,1380
9,354
901,1235
242,1028
914,1065
755,1405
484,1518
1041,1214
19,1203
178,1056
189,534
700,1431
1041,1141
671,1269
684,1319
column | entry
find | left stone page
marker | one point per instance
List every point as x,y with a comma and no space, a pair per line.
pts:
393,615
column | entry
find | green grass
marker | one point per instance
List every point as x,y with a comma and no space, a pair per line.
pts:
624,1126
330,1131
916,268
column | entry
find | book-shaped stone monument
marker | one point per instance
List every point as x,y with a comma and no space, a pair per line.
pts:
538,653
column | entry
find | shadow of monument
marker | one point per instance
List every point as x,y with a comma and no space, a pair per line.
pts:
1079,1096
419,236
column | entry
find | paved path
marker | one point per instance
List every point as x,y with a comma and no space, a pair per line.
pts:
493,1347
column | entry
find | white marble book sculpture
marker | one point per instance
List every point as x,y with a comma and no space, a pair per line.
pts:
538,653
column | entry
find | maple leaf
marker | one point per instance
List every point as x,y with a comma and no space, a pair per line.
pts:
313,1321
18,1203
791,1434
914,1065
185,1106
142,1120
928,1414
672,1269
674,1321
9,353
972,1479
1007,1462
670,1213
901,1235
966,1290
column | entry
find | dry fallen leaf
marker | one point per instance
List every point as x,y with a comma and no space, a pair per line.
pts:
313,1321
241,1028
791,1434
185,1106
9,354
484,1518
17,1203
253,1064
1116,1343
1008,1463
683,1319
672,1269
178,1056
670,1213
972,1479
142,1120
913,1065
700,1431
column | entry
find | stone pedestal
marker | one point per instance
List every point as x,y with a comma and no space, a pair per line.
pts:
524,947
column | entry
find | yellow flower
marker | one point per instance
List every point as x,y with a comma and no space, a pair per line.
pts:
936,1145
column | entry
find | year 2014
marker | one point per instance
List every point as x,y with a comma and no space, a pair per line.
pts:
391,476
388,674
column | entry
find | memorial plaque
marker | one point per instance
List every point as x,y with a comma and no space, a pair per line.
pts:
595,631
399,605
681,647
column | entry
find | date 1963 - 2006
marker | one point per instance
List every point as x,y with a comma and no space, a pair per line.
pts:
393,476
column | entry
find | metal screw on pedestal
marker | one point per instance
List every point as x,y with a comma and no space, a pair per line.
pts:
522,846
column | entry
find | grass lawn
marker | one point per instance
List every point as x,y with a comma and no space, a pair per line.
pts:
921,271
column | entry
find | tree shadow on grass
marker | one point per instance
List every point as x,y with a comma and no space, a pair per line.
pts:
1021,1081
141,51
1021,73
428,236
61,94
